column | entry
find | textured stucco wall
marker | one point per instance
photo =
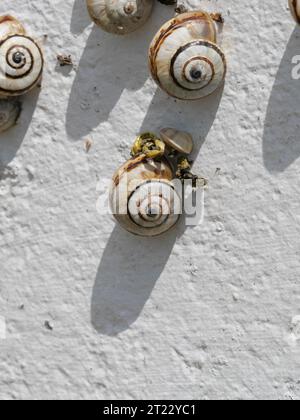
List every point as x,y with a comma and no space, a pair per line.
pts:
205,312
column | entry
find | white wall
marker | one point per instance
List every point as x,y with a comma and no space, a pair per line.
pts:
205,312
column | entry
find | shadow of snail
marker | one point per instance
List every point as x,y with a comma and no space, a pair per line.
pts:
144,197
21,68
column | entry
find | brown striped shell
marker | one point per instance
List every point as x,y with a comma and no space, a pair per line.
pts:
120,16
143,199
295,9
185,60
21,59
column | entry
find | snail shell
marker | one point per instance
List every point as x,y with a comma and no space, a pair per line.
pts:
120,16
10,110
180,141
21,59
184,58
295,9
10,26
143,199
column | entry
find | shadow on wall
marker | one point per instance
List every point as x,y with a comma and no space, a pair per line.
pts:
130,266
127,274
11,140
109,65
281,138
80,18
196,117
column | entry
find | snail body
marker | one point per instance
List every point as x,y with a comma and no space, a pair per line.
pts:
184,58
120,16
21,59
295,9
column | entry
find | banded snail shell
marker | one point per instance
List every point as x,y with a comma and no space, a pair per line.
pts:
143,199
10,110
185,60
21,59
295,9
120,16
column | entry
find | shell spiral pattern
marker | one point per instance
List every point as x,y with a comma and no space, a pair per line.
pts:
184,59
154,205
143,199
21,65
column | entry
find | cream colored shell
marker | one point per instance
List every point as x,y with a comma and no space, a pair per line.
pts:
120,16
10,110
143,199
295,9
177,140
21,59
184,58
10,26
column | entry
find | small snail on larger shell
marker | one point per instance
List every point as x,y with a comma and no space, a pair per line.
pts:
295,9
120,16
184,58
143,198
21,67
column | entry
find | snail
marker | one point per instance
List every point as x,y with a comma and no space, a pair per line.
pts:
184,58
120,16
10,110
21,59
295,9
180,141
143,197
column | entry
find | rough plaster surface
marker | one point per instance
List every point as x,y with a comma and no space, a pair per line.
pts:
205,312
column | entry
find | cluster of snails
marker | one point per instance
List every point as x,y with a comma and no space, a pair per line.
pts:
143,196
185,60
21,67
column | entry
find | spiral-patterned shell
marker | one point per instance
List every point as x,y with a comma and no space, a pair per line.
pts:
143,199
21,65
120,16
184,59
295,9
155,206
